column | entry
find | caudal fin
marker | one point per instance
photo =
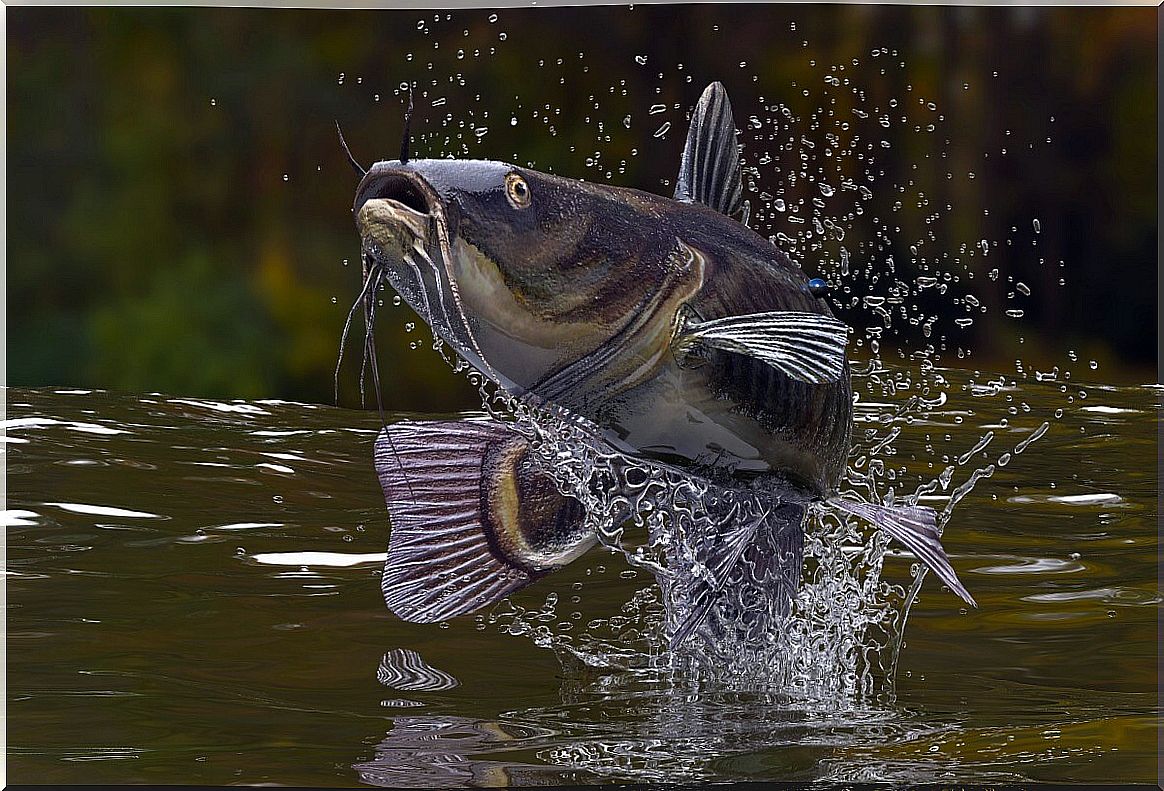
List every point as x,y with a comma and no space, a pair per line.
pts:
471,520
915,526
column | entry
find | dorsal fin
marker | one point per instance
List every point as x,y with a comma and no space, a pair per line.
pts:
709,172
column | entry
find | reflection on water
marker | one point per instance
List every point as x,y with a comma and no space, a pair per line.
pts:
193,598
405,670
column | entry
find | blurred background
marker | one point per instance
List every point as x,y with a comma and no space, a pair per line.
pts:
179,207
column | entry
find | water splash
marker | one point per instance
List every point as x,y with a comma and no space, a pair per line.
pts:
836,632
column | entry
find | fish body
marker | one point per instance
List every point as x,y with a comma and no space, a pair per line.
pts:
683,336
587,316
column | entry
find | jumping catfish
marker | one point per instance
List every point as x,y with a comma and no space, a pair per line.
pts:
683,335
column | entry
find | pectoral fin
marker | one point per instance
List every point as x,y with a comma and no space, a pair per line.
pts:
472,520
709,172
807,347
916,527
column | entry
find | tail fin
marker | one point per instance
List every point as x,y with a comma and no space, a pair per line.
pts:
472,522
915,526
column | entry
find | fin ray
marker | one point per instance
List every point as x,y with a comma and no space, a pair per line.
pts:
425,580
807,347
914,526
468,522
710,172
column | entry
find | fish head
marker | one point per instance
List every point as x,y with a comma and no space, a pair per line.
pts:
525,274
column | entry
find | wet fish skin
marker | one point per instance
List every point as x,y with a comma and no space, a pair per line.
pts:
575,299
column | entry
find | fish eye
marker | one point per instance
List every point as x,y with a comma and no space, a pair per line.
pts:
517,190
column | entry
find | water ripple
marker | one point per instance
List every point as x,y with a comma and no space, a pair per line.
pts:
1034,566
105,510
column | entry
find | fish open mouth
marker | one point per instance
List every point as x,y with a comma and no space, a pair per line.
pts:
406,241
404,189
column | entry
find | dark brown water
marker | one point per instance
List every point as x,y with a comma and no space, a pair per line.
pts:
193,598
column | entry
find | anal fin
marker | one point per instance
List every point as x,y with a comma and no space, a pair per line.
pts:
916,527
471,520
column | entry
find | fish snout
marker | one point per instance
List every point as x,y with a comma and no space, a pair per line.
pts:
401,183
393,207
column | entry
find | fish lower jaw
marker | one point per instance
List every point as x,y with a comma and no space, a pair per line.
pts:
388,219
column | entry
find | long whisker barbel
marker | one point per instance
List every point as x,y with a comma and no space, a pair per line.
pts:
374,273
370,350
360,170
376,276
367,331
407,123
440,298
428,315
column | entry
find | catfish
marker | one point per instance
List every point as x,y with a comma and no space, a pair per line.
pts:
684,337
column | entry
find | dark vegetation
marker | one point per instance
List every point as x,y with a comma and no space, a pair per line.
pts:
179,207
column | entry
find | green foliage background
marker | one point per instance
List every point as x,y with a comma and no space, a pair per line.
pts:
179,208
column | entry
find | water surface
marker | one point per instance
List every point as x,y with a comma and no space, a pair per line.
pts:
193,598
